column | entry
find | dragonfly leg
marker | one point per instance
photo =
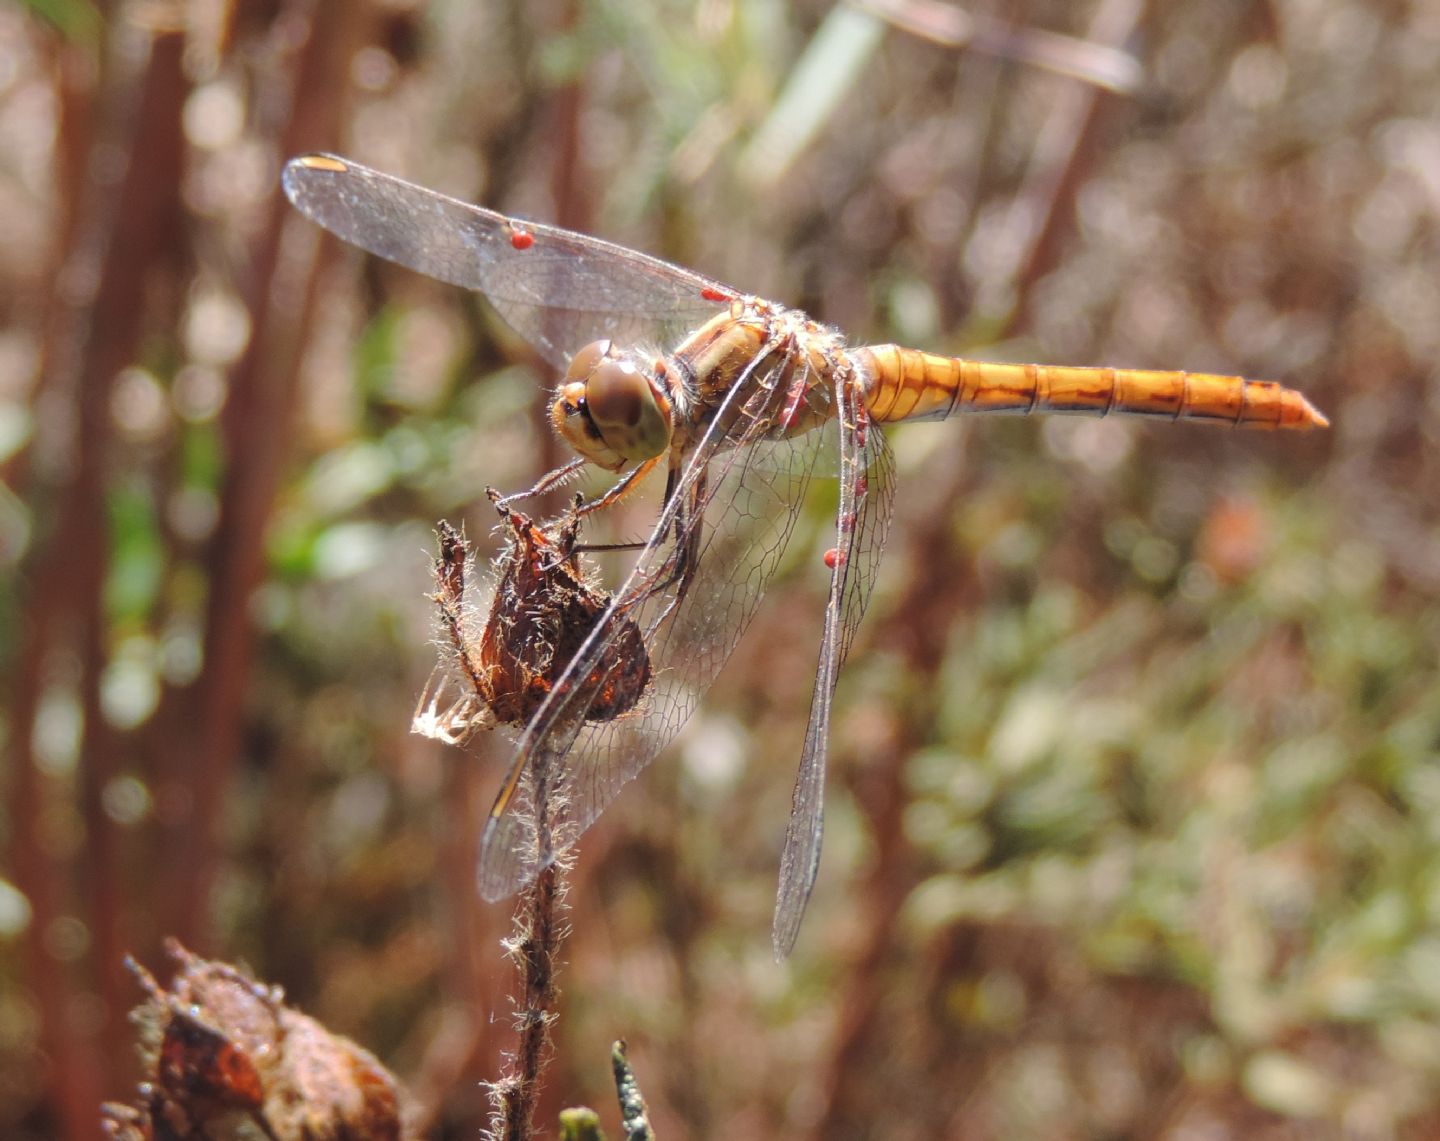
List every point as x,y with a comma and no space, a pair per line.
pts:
679,566
547,482
620,489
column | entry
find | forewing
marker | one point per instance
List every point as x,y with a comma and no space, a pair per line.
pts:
867,491
558,289
690,627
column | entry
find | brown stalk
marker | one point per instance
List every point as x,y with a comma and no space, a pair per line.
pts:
535,950
540,929
119,236
200,738
489,664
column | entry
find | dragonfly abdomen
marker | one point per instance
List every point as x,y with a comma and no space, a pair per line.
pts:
906,384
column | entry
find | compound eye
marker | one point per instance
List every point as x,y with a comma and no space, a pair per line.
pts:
583,363
570,417
617,395
627,410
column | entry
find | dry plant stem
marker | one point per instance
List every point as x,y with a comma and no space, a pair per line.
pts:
538,923
536,952
535,955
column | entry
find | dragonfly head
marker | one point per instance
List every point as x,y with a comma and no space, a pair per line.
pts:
610,410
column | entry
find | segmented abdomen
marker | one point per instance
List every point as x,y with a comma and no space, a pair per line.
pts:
906,384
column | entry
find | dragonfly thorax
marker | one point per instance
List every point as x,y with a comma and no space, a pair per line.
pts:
610,409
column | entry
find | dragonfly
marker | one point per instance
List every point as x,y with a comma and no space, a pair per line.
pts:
740,402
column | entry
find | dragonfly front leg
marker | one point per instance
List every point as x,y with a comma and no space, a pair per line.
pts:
547,482
566,472
621,488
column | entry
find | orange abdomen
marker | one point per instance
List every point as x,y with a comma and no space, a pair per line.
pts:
905,384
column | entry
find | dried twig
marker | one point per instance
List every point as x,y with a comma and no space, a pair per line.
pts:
501,672
535,950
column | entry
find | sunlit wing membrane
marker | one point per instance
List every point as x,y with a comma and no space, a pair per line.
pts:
558,289
867,493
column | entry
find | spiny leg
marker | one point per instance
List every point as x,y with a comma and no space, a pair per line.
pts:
547,482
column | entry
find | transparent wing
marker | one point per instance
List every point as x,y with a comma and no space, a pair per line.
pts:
867,492
558,289
692,593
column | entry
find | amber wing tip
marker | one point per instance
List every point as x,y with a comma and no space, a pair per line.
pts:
324,162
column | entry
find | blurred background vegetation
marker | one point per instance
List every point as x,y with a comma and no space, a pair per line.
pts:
1134,818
